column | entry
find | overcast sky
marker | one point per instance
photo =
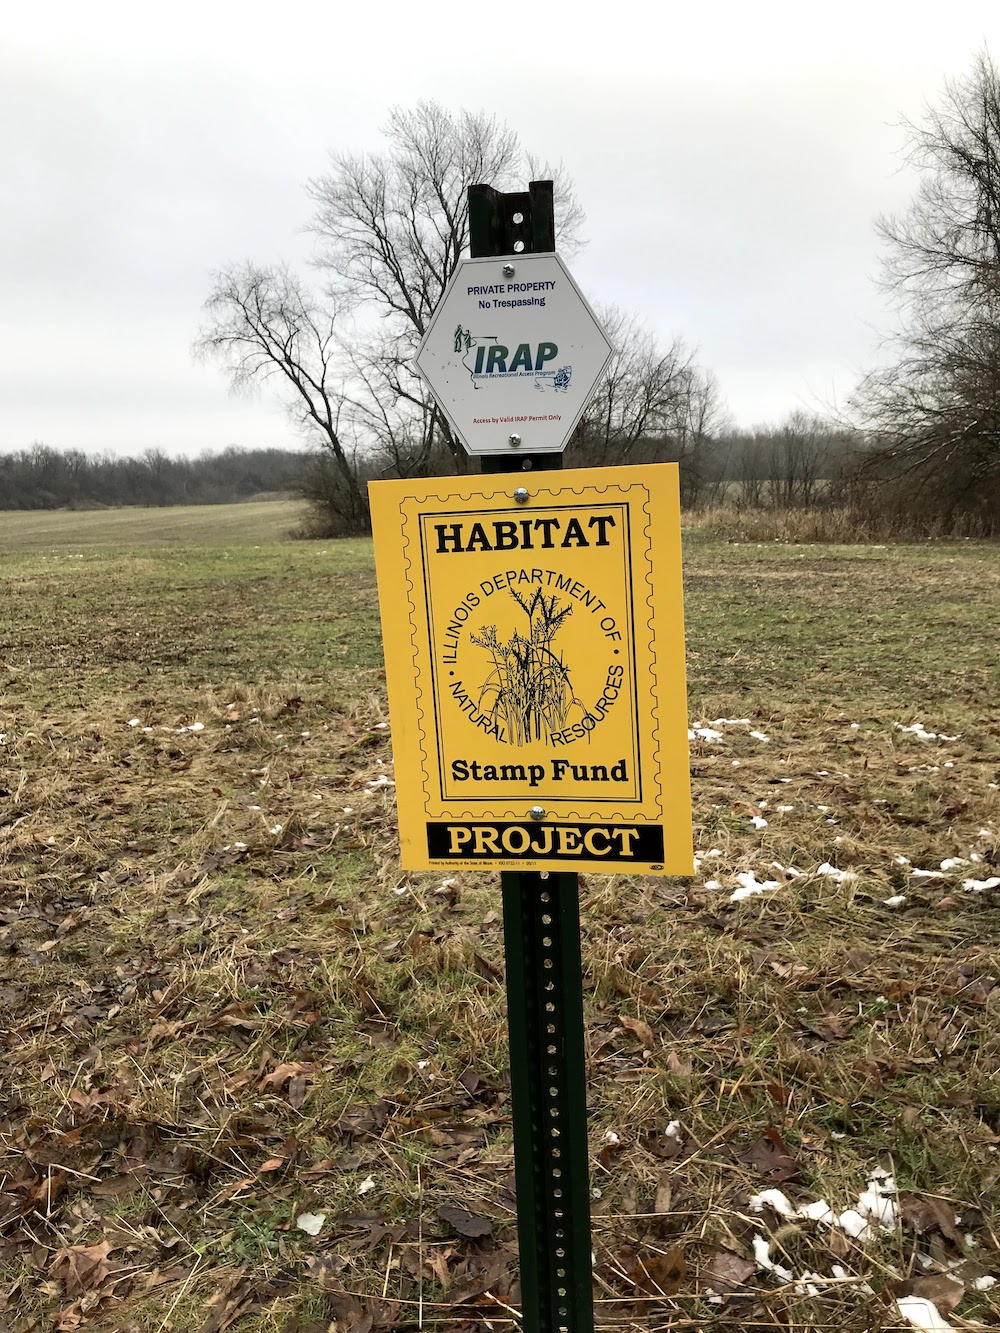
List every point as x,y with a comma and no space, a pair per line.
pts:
731,159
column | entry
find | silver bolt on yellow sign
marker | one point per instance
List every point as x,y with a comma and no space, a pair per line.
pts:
535,663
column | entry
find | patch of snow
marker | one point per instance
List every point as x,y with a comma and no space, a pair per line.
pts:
831,872
775,1199
712,884
366,1186
875,1209
981,885
762,1254
984,1283
877,1203
853,1223
380,781
730,722
920,731
759,736
897,900
134,722
758,821
953,862
310,1223
611,1138
785,809
926,874
750,885
276,829
806,1284
705,734
923,1314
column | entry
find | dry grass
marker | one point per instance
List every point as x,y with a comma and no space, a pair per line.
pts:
225,1005
255,521
895,520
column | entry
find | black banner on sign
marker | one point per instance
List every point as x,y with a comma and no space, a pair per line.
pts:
624,844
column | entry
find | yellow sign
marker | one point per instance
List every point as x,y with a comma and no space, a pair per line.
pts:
535,662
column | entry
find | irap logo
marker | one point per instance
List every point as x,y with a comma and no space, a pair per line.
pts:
487,359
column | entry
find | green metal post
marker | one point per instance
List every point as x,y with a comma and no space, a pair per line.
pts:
541,915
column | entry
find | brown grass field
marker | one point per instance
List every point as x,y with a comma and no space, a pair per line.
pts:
225,1007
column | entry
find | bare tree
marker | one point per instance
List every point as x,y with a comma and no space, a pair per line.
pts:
263,325
934,414
653,404
796,460
393,225
391,228
698,421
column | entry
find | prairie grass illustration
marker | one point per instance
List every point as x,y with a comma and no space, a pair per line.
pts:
528,689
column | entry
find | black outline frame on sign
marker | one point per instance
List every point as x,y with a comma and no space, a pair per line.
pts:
534,795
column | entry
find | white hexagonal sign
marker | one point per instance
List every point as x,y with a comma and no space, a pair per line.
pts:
513,354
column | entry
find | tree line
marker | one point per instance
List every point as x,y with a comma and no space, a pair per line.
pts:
916,449
796,464
930,418
41,477
391,227
919,441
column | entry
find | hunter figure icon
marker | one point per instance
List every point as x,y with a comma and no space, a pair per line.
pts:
463,339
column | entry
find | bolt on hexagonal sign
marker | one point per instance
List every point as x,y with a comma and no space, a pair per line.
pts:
513,354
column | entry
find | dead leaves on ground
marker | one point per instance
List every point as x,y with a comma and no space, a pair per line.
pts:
465,1222
658,1274
770,1157
80,1267
292,1077
681,1045
71,1182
